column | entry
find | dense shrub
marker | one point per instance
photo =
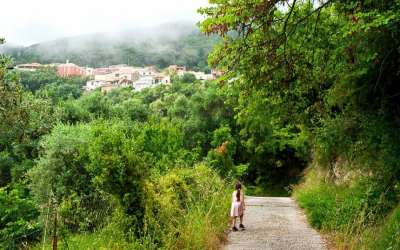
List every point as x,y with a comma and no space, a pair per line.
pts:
82,164
18,224
186,209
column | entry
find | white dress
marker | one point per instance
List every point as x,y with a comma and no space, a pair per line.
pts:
237,206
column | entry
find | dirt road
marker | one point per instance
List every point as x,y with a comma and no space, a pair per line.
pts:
274,223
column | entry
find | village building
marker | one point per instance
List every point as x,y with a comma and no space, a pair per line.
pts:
93,84
144,82
108,87
201,76
89,72
102,71
175,69
150,81
69,69
28,66
147,71
116,76
116,79
163,79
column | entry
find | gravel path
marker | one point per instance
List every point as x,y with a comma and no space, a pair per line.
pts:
275,223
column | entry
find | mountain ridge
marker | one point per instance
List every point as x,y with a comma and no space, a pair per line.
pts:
161,45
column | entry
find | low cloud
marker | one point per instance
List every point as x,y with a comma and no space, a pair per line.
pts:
27,22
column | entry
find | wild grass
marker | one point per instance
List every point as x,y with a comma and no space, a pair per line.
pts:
102,240
185,209
388,234
356,215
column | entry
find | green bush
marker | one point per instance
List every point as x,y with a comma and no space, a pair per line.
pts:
82,166
18,224
186,209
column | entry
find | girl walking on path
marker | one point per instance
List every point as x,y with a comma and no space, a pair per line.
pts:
238,206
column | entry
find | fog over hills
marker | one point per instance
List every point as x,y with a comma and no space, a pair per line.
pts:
170,43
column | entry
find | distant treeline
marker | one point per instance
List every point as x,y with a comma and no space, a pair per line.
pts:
190,49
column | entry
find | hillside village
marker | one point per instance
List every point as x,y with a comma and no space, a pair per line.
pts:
117,76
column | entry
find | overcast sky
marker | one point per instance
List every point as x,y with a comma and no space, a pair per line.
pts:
26,22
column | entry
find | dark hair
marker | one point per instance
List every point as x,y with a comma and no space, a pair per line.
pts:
238,187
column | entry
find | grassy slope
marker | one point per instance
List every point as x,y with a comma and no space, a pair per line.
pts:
348,213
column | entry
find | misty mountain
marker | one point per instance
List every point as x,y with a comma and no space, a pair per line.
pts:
172,43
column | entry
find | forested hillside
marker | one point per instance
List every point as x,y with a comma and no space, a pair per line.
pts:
173,43
322,75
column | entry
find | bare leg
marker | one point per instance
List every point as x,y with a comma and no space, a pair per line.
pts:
241,219
233,221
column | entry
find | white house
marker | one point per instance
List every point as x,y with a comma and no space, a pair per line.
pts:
202,76
199,75
144,82
93,84
147,71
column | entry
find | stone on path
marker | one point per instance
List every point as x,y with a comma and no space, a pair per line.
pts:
275,223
